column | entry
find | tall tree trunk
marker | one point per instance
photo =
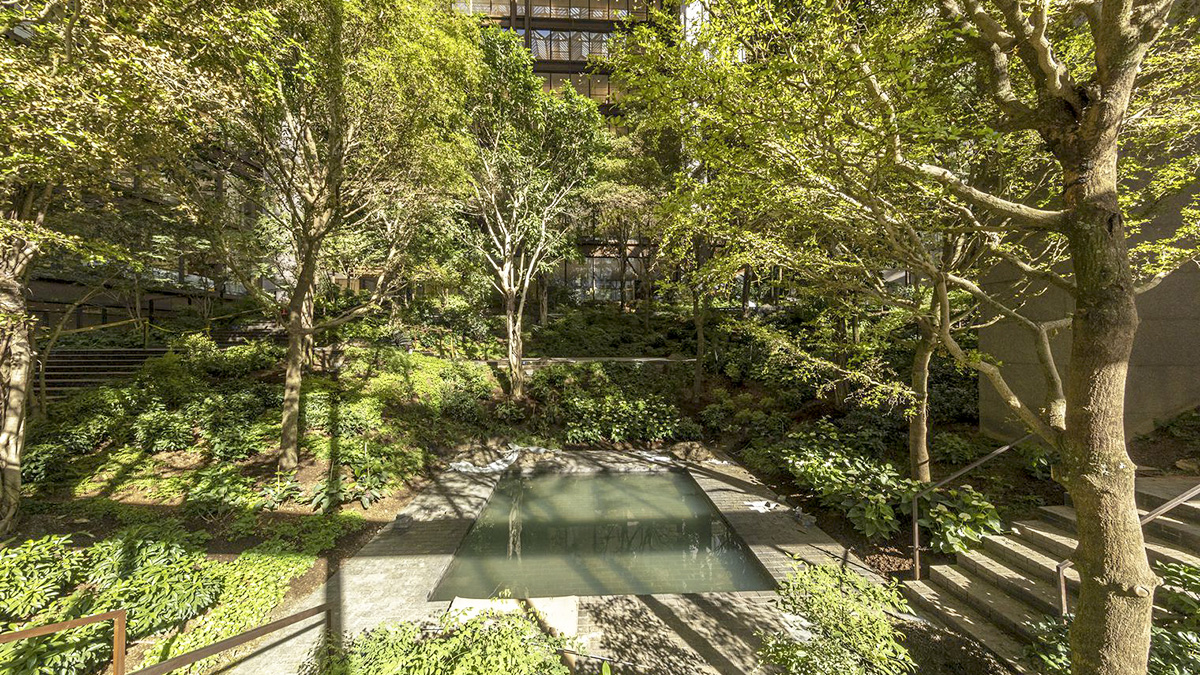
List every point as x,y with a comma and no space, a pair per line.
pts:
647,295
16,369
297,329
746,275
918,424
1111,631
622,262
699,317
543,288
308,340
516,372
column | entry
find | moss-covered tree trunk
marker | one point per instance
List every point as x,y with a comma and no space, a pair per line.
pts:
1111,631
918,423
16,370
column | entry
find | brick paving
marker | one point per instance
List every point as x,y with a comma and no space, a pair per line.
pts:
391,577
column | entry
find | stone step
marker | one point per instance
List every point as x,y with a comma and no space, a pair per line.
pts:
960,618
1038,593
1177,533
1158,490
1029,560
1060,543
1009,614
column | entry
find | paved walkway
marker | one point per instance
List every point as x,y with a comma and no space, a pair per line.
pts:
391,577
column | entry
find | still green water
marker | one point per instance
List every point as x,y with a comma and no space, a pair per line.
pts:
600,534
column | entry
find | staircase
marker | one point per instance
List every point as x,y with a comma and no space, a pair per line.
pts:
69,370
997,593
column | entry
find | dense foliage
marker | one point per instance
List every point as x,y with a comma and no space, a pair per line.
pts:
846,618
488,643
1175,640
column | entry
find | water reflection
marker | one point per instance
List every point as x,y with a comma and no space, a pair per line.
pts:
597,535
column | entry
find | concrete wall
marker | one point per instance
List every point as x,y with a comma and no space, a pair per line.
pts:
1164,373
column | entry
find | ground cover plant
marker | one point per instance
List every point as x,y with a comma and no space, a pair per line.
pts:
1175,639
846,616
147,479
487,643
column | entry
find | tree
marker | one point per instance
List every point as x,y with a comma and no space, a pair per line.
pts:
861,109
96,98
352,111
533,153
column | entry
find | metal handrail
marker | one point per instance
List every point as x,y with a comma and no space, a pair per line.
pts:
172,663
119,622
1061,568
916,500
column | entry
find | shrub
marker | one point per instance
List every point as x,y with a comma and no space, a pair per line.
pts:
615,418
158,572
36,573
955,449
489,643
1174,642
847,617
873,495
157,429
958,518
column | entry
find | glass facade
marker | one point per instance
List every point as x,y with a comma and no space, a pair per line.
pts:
593,85
598,10
567,45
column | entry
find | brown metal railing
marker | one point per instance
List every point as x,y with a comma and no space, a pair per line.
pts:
1061,569
119,616
119,620
916,500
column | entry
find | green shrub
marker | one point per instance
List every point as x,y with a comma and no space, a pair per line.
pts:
157,572
218,491
846,614
873,495
489,643
252,585
615,418
957,519
157,429
955,449
36,573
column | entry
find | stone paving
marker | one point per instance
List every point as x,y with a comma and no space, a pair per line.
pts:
391,577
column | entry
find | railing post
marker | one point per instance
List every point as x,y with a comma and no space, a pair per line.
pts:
916,530
1061,570
119,622
916,516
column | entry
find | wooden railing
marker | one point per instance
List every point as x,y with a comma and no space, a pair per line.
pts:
119,617
916,500
1061,569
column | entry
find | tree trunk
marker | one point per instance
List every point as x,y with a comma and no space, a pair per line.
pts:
516,372
699,316
308,340
918,424
1111,631
746,275
622,263
297,328
16,369
543,299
